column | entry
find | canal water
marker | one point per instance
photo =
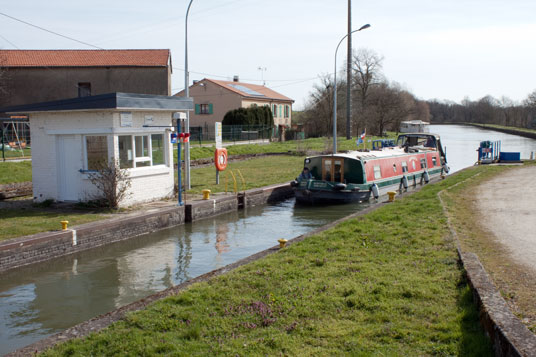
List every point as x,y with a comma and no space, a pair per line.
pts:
46,298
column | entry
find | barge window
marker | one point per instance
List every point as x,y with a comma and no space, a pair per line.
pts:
423,163
377,172
327,170
413,164
337,171
394,168
404,166
434,161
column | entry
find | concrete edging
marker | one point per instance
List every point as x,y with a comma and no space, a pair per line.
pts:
22,251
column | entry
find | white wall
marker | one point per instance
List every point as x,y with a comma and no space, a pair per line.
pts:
147,183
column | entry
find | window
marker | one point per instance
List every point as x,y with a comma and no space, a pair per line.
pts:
337,171
157,148
413,164
423,163
141,150
287,111
434,161
96,152
327,170
274,110
84,89
377,172
394,168
404,166
126,159
204,108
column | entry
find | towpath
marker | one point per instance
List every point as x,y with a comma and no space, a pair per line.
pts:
508,205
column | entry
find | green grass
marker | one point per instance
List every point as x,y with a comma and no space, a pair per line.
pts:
259,172
19,222
11,172
387,283
292,146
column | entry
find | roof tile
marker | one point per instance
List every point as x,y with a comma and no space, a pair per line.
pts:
84,58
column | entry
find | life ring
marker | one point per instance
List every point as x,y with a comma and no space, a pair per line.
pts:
220,159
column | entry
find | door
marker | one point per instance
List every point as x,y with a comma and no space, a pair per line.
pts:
333,169
69,163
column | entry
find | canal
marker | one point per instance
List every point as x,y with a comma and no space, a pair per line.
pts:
46,298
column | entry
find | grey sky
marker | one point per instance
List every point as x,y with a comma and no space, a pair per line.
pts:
436,49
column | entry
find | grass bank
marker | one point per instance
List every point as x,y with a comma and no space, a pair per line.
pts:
300,147
387,283
12,172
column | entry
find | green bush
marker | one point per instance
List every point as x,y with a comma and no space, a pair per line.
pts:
249,116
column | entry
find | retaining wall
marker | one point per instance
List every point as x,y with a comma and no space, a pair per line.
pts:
39,247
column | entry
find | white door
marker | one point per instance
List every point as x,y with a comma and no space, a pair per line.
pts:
69,164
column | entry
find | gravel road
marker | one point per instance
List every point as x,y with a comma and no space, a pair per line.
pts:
508,205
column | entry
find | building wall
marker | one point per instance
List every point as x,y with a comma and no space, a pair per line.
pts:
147,183
35,85
223,100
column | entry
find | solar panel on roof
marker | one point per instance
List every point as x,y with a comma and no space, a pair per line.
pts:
247,90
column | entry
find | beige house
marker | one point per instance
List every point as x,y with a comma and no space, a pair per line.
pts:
34,76
214,98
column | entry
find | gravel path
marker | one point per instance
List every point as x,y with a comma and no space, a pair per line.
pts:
508,205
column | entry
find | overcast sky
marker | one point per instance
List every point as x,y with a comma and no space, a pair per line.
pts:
445,49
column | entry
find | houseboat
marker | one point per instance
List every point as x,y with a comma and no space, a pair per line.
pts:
356,175
414,126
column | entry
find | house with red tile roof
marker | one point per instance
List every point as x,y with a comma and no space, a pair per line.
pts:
35,76
214,98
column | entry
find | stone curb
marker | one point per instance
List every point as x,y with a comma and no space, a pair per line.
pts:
508,335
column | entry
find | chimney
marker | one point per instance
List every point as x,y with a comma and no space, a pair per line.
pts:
235,78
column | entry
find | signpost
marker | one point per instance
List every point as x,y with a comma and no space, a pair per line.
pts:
217,135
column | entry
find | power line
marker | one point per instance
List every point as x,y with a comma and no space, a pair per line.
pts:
49,31
11,43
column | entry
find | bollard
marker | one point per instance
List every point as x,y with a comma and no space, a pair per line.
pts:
206,194
64,225
282,242
391,195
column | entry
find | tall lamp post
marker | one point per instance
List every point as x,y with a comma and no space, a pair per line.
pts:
335,88
186,94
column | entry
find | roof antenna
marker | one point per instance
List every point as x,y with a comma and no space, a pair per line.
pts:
262,69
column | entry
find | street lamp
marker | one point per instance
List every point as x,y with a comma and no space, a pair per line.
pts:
186,94
335,89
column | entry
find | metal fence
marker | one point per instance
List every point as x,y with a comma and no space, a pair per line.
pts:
231,133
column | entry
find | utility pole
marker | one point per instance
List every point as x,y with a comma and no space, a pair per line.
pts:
349,76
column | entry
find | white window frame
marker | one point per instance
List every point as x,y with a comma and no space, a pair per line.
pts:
149,150
377,172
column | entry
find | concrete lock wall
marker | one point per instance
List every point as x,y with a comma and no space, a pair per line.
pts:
39,247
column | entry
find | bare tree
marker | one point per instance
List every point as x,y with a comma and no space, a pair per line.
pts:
318,117
112,182
387,107
367,72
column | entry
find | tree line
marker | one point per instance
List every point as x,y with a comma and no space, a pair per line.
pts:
377,104
487,110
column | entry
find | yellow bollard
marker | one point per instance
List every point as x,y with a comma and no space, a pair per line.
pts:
64,225
206,194
282,242
391,195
